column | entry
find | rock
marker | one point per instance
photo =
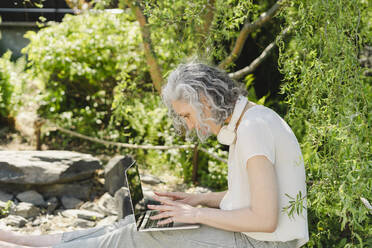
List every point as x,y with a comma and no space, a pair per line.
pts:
115,173
4,197
107,221
31,196
45,167
25,209
80,223
52,204
91,206
14,220
82,214
107,204
122,202
3,204
70,202
148,193
150,179
36,222
77,190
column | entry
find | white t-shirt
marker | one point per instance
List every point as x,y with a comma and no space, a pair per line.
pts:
263,132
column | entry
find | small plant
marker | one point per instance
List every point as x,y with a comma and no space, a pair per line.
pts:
296,205
5,209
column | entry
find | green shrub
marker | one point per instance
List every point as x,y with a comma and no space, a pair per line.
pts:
81,60
6,88
12,84
144,120
330,106
212,173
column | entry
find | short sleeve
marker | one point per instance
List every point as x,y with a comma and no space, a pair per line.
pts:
254,137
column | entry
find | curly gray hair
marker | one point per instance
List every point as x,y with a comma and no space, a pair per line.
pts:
196,83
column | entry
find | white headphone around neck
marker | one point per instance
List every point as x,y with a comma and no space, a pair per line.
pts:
227,133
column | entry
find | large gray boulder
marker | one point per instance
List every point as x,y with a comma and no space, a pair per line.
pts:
115,173
80,190
45,167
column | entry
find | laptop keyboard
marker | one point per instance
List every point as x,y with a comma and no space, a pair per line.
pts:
154,223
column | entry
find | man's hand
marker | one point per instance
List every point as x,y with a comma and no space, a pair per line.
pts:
189,199
174,211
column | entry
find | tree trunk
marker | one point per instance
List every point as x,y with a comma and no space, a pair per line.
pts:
155,71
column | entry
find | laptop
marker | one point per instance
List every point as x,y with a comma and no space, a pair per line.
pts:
139,206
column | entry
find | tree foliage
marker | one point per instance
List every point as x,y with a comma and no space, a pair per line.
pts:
12,83
81,60
6,88
329,109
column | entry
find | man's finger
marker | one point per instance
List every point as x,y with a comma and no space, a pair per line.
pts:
162,215
173,195
165,201
164,222
160,207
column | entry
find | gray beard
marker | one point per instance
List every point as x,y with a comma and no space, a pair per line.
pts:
201,135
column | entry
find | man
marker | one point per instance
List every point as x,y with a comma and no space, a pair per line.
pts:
265,166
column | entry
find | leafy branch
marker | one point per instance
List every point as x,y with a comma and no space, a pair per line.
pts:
255,63
296,205
247,29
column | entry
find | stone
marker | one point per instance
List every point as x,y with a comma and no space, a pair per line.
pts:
115,173
77,190
36,222
150,179
31,196
4,197
122,202
106,204
3,204
91,206
52,204
80,223
82,214
14,220
45,167
25,209
70,202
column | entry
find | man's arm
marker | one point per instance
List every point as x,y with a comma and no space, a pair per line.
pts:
260,216
211,199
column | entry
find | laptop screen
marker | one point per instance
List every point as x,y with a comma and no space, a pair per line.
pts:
135,190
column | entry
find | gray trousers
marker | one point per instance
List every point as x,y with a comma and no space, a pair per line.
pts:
124,234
